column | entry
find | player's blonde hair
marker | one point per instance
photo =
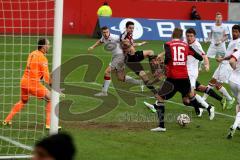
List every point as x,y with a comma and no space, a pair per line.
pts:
177,33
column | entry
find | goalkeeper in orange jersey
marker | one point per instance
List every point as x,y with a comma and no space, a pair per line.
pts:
36,70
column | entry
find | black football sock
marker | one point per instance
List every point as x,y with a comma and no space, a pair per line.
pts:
208,109
213,94
159,106
197,111
196,105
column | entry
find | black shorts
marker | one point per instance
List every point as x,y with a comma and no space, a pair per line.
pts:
137,57
171,86
134,61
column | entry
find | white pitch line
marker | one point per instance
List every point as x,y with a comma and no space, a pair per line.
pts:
180,104
16,157
18,144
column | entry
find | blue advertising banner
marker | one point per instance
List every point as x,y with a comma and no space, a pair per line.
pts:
160,29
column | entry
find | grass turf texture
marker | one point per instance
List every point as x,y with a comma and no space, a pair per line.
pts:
124,132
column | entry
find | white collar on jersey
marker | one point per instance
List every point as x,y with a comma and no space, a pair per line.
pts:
175,39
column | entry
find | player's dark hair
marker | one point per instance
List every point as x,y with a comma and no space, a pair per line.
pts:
177,33
59,146
104,28
129,23
41,43
105,3
236,27
191,31
218,13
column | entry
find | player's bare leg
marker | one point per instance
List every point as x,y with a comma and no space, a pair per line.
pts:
143,75
150,55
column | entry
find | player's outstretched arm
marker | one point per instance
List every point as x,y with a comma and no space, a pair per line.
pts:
220,59
233,62
195,54
206,62
234,58
95,45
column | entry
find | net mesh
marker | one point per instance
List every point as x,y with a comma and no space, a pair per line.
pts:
22,23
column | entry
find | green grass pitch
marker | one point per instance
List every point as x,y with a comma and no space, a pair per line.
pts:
124,132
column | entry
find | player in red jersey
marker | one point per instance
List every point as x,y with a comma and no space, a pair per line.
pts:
128,35
176,52
133,58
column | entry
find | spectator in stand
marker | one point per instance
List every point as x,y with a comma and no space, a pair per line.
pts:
55,147
105,10
194,14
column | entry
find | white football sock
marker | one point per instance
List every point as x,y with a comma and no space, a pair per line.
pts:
225,93
131,80
237,121
202,101
106,84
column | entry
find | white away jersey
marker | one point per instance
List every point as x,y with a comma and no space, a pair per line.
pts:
218,33
192,63
235,76
112,43
233,46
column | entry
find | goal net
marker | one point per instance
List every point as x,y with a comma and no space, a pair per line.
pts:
22,23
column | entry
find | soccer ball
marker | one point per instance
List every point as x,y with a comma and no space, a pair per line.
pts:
183,120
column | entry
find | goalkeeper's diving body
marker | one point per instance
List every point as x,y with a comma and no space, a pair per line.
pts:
36,70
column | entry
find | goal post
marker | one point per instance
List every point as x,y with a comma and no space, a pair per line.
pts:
22,24
57,50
